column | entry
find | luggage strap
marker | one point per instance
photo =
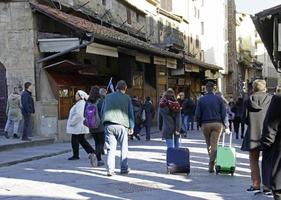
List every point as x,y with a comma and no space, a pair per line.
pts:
223,139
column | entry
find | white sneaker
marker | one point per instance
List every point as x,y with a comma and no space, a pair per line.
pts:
93,159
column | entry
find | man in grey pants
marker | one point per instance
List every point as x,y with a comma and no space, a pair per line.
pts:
118,119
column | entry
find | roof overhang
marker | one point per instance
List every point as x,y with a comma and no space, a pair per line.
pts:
202,64
100,32
268,25
57,44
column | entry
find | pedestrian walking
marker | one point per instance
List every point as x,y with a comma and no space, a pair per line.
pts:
149,110
188,107
77,129
118,119
170,119
137,107
98,131
103,93
211,115
271,145
27,108
254,113
237,122
230,114
181,100
13,112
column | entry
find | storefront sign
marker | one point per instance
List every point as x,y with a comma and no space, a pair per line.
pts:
195,68
162,80
159,60
172,82
142,58
103,50
176,72
188,67
181,81
171,63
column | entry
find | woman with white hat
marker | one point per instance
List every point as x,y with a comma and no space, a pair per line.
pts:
77,129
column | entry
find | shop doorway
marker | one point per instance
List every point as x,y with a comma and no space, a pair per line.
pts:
3,96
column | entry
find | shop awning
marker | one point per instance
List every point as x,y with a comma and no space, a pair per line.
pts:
103,50
57,44
100,32
142,58
159,60
268,26
199,63
171,63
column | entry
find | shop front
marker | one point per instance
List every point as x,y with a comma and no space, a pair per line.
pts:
84,62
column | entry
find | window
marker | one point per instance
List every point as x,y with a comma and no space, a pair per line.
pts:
202,28
198,13
195,12
129,18
138,17
151,26
191,39
166,5
197,41
202,3
104,2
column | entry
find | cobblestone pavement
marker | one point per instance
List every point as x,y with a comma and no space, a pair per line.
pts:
57,178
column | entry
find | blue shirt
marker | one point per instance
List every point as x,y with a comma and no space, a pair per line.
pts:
210,109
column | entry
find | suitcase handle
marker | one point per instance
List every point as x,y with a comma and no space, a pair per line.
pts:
223,139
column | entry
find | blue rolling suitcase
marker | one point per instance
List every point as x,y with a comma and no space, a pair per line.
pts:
178,160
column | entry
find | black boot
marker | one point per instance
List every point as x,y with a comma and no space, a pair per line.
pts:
16,136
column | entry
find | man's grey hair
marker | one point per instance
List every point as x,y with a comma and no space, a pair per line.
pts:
259,85
121,85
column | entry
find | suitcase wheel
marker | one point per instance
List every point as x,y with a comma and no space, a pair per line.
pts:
218,168
168,170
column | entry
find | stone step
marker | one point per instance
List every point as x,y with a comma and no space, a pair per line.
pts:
16,156
10,144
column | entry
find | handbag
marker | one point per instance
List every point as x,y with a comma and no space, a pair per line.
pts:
143,115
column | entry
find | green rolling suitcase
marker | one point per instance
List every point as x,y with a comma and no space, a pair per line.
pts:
226,158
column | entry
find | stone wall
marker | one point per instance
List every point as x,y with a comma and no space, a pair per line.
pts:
17,42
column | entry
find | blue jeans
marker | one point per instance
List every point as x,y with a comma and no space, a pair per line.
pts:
186,121
116,134
173,143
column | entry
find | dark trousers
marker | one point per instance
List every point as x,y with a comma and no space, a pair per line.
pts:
99,144
192,122
277,194
237,121
147,135
26,124
230,124
80,139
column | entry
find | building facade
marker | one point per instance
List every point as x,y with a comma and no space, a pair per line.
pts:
65,45
254,61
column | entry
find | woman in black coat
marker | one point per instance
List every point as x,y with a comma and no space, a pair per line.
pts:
255,110
271,144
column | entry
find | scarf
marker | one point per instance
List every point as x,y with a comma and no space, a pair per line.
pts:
172,104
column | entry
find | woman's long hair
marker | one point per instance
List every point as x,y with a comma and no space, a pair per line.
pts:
94,95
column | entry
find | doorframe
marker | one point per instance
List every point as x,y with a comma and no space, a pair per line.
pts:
3,69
